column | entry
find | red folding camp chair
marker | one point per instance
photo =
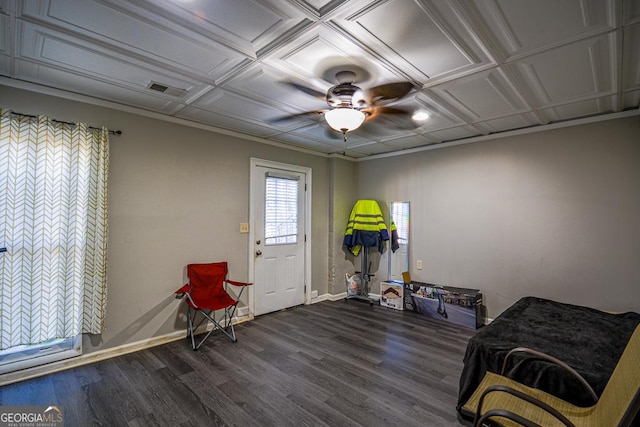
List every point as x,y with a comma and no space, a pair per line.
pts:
206,292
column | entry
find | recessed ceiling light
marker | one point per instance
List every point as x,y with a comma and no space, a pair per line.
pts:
420,116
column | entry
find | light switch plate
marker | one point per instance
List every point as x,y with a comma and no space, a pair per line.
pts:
244,227
419,264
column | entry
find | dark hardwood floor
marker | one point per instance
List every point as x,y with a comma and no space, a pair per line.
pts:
332,363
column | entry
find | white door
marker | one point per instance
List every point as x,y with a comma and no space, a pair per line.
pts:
278,224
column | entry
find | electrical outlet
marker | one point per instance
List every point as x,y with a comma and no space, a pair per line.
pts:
419,264
244,227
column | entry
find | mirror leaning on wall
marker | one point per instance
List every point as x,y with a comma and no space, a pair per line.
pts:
399,244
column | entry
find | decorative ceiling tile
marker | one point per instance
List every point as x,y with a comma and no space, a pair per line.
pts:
134,32
263,68
569,73
269,85
631,64
580,109
5,65
411,141
425,40
4,34
453,134
90,86
247,26
49,51
631,100
322,7
517,121
631,12
520,28
380,129
308,143
234,108
481,96
229,122
439,115
316,56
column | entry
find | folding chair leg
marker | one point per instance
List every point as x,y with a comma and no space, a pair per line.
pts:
191,331
228,321
224,328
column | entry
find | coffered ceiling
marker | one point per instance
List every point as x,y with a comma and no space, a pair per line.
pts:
477,67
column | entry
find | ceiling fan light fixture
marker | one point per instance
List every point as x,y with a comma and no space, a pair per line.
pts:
344,119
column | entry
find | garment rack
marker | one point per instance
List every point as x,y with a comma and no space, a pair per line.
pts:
365,277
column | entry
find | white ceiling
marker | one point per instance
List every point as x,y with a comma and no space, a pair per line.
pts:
478,67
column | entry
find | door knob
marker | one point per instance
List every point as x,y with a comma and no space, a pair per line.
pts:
258,252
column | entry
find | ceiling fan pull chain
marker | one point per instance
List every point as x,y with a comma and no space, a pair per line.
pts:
344,141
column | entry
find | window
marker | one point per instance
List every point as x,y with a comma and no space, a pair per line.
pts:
281,210
53,182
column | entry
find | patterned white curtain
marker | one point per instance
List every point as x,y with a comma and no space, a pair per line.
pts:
53,223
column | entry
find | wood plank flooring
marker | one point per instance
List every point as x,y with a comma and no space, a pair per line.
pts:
327,364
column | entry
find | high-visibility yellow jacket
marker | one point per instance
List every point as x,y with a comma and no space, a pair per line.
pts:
366,227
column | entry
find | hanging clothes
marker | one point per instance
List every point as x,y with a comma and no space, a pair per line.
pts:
395,245
366,227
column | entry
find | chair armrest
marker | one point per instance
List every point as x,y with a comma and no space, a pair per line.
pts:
184,290
554,360
506,414
477,421
234,283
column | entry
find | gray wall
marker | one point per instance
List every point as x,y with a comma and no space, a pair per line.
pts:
343,190
554,214
176,195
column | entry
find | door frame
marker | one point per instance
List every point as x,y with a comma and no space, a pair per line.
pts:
254,163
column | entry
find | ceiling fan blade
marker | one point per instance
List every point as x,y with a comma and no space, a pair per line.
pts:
390,91
306,114
393,110
393,117
306,89
374,112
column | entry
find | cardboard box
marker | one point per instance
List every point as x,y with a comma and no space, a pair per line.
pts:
455,305
392,295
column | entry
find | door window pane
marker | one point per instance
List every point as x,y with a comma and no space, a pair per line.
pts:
281,211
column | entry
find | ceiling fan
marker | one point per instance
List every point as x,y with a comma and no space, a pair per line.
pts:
350,106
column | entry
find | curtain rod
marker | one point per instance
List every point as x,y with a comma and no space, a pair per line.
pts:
112,132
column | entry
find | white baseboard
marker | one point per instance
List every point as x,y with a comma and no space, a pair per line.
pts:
338,297
329,297
85,359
